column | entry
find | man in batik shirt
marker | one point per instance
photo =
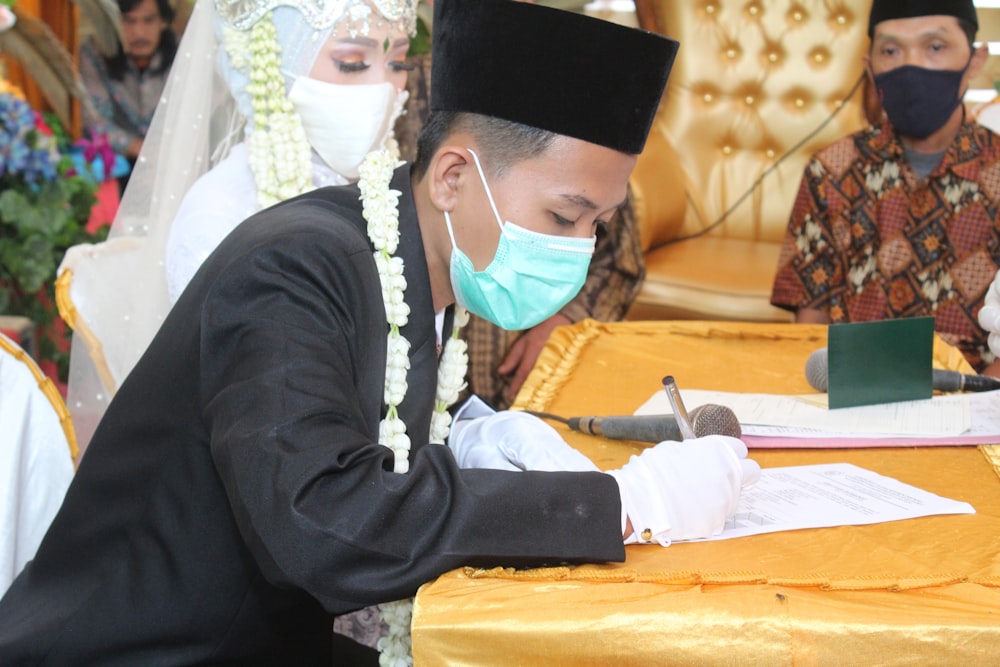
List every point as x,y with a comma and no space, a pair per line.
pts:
126,87
900,219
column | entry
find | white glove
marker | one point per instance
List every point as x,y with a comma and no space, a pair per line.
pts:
513,440
683,490
989,315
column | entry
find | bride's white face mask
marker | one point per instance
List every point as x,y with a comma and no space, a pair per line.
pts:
344,122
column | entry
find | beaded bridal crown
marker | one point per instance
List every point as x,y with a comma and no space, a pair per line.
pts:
321,14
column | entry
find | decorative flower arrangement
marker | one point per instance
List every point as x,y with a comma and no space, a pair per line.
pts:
396,648
7,18
420,42
451,378
45,203
279,152
380,208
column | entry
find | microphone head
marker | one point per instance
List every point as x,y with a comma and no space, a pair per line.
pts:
818,370
713,419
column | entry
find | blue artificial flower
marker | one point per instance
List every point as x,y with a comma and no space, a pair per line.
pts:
24,151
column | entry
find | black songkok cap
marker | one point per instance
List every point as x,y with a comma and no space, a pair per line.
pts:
548,68
886,10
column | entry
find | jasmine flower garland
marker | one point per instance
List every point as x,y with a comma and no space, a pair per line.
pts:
279,157
279,153
451,378
380,208
396,648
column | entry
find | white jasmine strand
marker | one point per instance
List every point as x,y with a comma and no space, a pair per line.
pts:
380,208
280,158
451,378
279,153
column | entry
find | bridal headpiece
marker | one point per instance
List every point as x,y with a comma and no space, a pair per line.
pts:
323,14
267,41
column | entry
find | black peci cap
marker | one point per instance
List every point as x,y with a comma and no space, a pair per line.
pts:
547,68
887,10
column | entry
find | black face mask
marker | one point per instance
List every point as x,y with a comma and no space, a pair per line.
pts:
919,101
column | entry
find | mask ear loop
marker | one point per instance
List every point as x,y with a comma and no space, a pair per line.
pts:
489,196
961,95
447,224
486,186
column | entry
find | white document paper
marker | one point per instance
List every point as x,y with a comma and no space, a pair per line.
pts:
775,414
835,494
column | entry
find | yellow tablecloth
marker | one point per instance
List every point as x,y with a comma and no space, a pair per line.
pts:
920,591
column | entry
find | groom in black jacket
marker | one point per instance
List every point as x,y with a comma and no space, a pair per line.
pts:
235,495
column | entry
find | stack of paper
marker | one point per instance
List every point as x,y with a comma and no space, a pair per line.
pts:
771,420
835,494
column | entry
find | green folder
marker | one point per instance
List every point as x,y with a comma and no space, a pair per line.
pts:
880,362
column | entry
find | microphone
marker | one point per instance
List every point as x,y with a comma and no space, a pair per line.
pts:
817,373
708,419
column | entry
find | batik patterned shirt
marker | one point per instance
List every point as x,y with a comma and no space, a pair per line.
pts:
869,240
124,108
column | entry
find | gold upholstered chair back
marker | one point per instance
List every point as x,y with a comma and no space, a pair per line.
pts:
758,86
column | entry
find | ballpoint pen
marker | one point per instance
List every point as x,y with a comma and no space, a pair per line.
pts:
677,405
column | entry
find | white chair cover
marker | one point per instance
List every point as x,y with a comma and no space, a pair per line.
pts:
37,447
988,114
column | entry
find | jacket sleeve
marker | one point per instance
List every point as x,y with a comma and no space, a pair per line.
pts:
293,342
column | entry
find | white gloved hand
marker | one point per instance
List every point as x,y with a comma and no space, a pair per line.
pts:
513,440
989,315
683,490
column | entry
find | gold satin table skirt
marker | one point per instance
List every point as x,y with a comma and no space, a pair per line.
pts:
916,592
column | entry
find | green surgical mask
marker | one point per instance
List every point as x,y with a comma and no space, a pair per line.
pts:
531,277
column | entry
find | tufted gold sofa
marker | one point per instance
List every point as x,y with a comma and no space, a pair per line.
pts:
753,85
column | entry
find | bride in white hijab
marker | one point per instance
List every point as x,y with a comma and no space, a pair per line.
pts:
266,99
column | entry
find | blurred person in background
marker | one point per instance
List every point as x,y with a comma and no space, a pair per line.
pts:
125,87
